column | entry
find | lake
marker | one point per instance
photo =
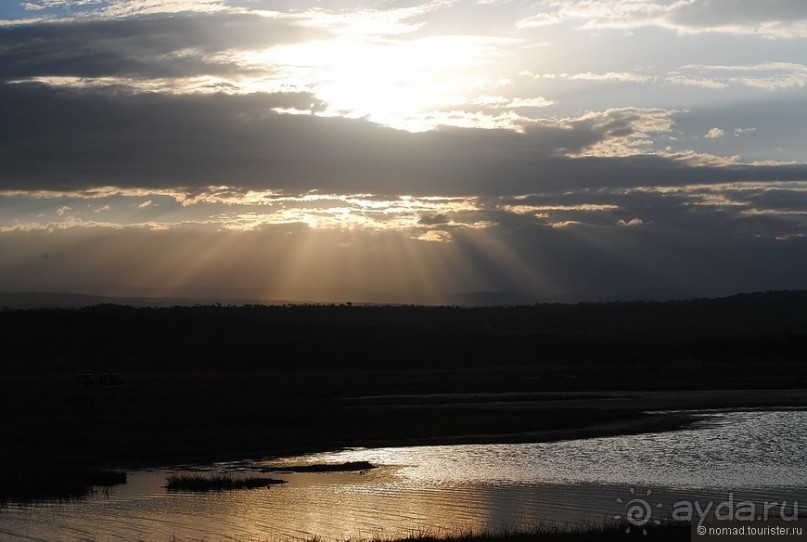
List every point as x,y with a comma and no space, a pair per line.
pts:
756,456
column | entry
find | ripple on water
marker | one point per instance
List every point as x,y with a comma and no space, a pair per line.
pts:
443,489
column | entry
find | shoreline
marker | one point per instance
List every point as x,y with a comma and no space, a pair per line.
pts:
167,422
608,429
650,422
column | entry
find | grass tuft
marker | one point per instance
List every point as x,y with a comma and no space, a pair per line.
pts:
48,483
219,482
350,466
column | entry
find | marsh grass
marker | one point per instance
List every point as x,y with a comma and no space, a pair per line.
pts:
218,482
609,532
350,466
44,483
615,531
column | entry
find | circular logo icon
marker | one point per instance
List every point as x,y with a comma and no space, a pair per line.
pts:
638,511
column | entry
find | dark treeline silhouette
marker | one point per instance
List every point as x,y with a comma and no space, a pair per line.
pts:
759,328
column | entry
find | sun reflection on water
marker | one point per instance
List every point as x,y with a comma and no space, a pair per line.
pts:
446,489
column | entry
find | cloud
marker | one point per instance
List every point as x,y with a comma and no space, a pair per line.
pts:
435,236
143,47
363,63
500,102
372,22
119,8
694,81
48,4
621,77
33,7
773,19
564,224
530,102
624,131
752,209
522,209
538,20
691,239
283,130
608,14
769,76
68,139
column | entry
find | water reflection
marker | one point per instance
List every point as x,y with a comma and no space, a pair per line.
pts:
445,489
728,450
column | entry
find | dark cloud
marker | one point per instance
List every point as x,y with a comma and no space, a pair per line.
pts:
728,12
718,212
434,220
156,46
78,138
773,198
61,137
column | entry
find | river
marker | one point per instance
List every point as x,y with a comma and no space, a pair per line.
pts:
753,456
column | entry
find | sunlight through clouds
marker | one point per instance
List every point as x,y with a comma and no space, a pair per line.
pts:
551,147
393,82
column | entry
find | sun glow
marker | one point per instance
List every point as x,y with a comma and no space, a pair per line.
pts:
387,80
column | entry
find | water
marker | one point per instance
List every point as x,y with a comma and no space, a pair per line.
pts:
761,456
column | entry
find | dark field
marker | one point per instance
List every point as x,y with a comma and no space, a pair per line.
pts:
228,382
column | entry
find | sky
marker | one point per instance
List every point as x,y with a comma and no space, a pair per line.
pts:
403,151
